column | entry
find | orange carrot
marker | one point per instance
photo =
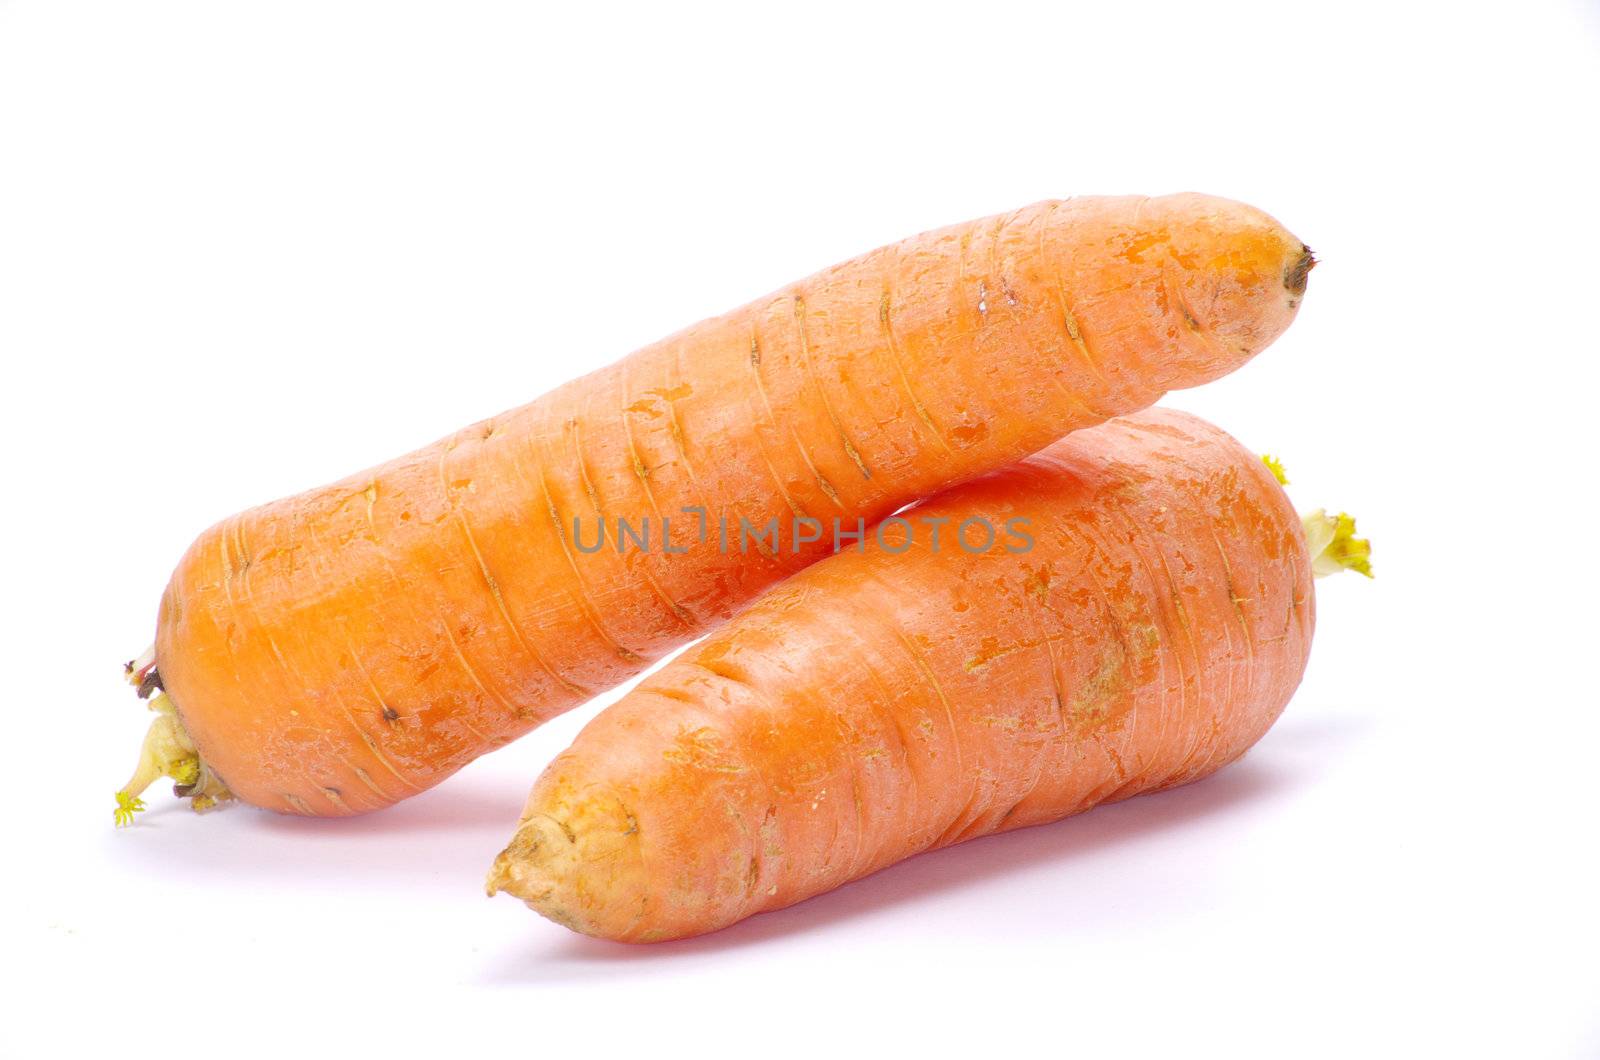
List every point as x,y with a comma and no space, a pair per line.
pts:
883,703
345,648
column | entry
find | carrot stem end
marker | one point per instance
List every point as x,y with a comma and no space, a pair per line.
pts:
1275,466
167,751
1334,546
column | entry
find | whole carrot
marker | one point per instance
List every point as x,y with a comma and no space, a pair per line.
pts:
340,650
911,696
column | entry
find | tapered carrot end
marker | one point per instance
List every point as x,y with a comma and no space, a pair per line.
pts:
532,864
576,862
1334,546
1294,279
1239,277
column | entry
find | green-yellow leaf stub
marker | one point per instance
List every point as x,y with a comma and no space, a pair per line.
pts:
1275,466
167,751
1334,546
127,806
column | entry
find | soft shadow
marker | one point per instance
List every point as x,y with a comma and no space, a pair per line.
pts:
449,835
445,809
964,865
1317,734
1273,768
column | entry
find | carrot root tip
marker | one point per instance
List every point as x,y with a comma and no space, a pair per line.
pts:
1334,546
520,861
1294,277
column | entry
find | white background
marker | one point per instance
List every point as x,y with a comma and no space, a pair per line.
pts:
246,248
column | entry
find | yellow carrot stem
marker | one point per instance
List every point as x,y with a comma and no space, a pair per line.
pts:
1275,466
167,751
1334,546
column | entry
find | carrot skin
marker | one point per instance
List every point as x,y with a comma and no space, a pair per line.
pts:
878,705
337,651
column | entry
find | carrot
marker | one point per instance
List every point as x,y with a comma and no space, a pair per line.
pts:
340,650
880,704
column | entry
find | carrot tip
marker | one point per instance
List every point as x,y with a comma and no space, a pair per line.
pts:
1276,467
1334,546
1294,277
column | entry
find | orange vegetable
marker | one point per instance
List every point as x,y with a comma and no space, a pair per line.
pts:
340,650
878,705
